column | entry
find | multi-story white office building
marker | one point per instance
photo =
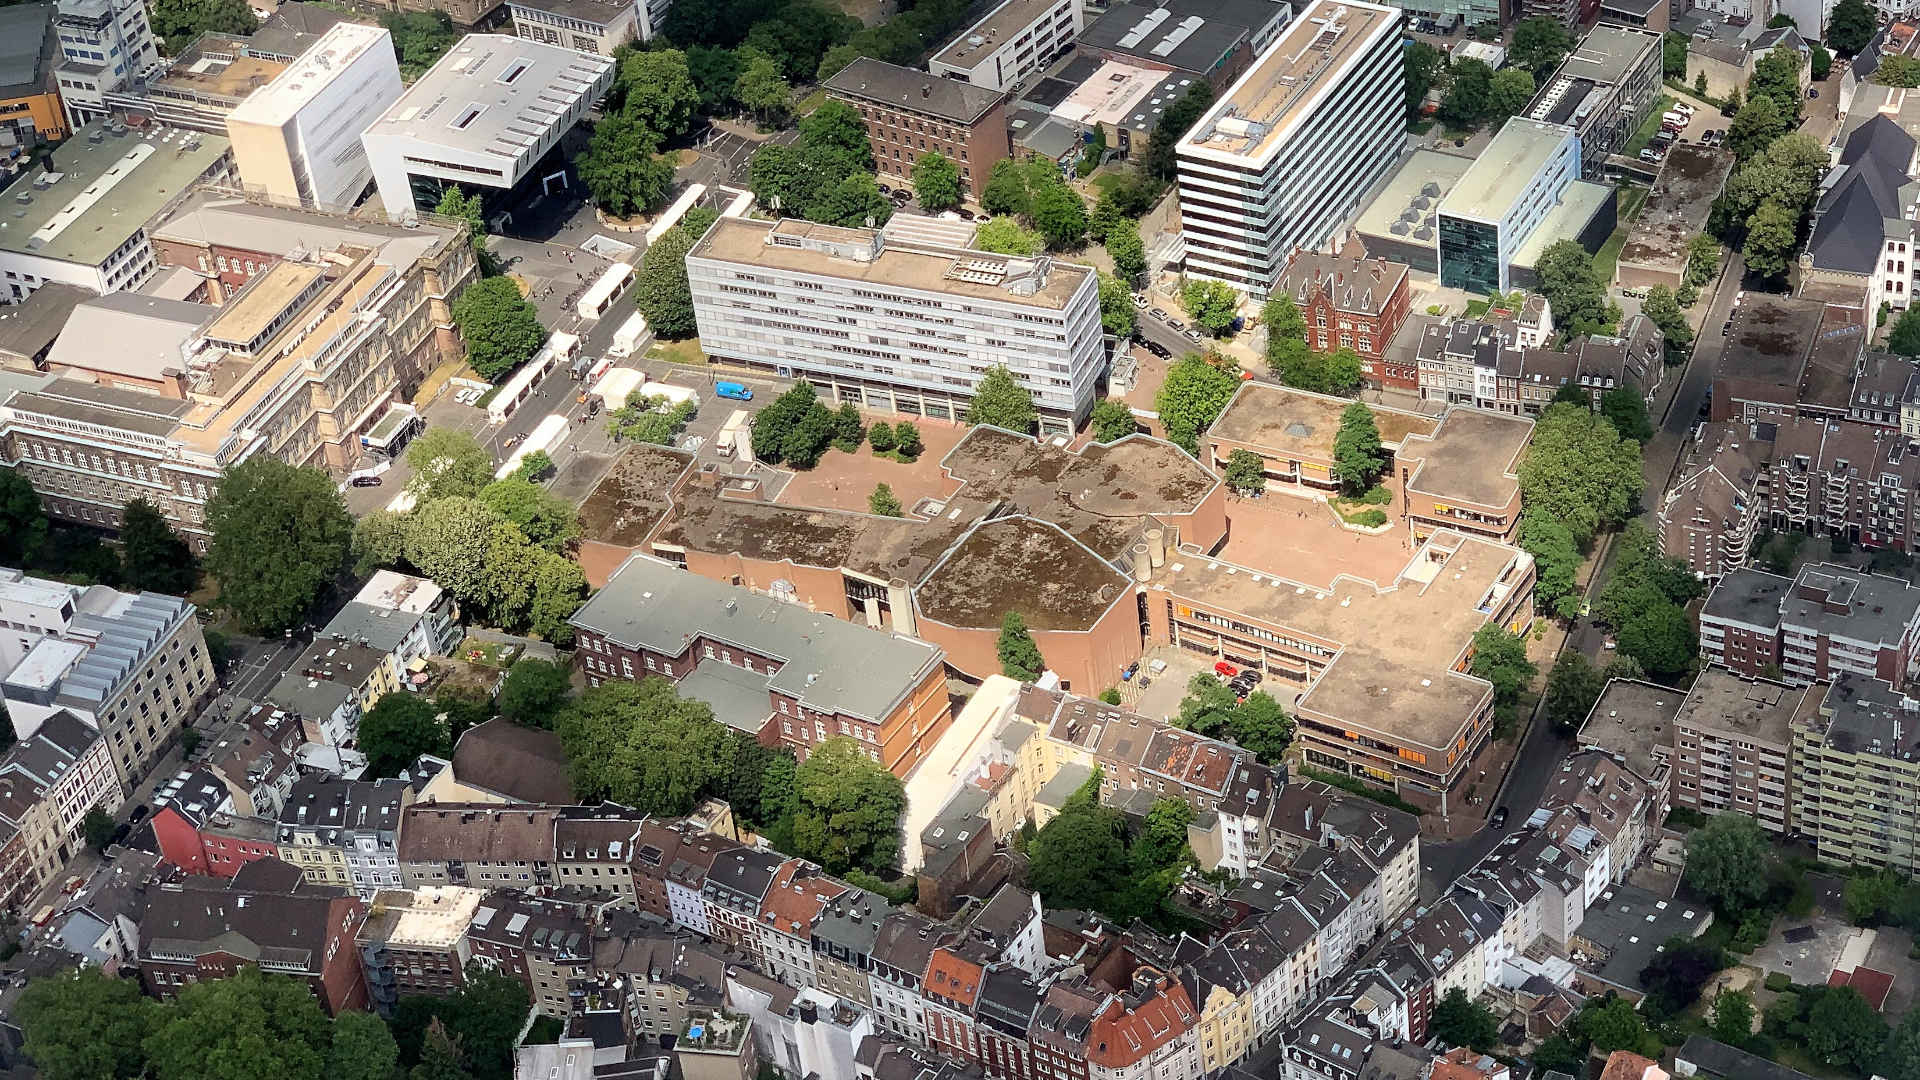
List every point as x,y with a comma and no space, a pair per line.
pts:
1016,40
895,324
297,139
1505,194
485,118
1289,152
104,44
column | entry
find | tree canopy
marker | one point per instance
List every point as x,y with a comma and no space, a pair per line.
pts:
178,22
661,290
280,536
502,330
1579,472
1191,398
936,182
397,730
85,1025
1000,400
533,691
242,1027
849,807
1112,419
1357,454
1722,859
1850,26
1019,654
1004,235
642,745
152,555
1460,1021
1210,304
1539,44
447,463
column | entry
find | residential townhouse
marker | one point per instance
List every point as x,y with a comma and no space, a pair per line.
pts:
1359,1030
594,849
198,831
49,783
1503,365
414,943
844,937
734,892
346,832
1147,1030
1709,516
331,686
686,883
796,900
902,953
1604,794
546,944
260,762
404,617
478,845
1353,303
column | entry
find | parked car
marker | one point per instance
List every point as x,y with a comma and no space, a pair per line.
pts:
1176,325
1157,313
1194,335
1225,670
1140,301
1156,348
1650,155
1499,818
365,481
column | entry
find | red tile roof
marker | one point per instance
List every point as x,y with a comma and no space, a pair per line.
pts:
954,978
796,897
1123,1036
1873,985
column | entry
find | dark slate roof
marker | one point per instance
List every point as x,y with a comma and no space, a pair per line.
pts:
1723,1062
1868,62
949,99
1849,223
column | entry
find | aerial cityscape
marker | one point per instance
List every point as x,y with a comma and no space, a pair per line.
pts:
927,540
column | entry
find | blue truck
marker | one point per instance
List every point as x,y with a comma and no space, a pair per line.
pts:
734,390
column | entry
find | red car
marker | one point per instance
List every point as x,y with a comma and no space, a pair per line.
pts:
1225,670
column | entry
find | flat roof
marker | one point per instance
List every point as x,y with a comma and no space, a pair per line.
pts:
106,189
600,13
1568,218
103,406
1677,206
1411,195
1758,709
927,268
909,88
27,50
263,300
219,68
1630,719
1001,25
493,94
1290,79
1297,422
315,70
1608,53
1505,169
1020,564
1474,456
1109,94
1164,31
127,333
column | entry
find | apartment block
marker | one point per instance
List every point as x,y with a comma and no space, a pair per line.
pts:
1632,724
199,832
414,943
1353,303
1015,40
345,832
1708,517
770,669
546,944
1810,628
1604,89
908,114
1285,157
1504,196
403,617
1732,741
1853,773
296,140
452,127
133,668
880,320
104,45
477,845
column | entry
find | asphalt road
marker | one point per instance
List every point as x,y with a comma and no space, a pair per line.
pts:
1541,752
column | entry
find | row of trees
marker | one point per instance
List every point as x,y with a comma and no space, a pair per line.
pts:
1578,477
652,104
660,288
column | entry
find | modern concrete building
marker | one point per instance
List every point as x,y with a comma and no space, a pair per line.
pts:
414,942
105,45
1214,40
1732,740
1285,157
1013,42
1506,194
296,140
1676,210
589,26
487,117
908,114
896,325
198,86
83,218
133,667
1810,628
1604,90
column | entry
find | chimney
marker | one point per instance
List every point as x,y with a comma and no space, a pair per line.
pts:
926,90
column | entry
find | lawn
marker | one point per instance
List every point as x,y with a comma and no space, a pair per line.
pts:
1477,308
679,352
1647,129
1631,196
493,654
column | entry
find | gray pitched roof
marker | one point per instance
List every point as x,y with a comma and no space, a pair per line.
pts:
1850,218
950,99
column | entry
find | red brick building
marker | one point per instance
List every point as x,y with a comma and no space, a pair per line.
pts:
266,916
199,832
909,113
1355,303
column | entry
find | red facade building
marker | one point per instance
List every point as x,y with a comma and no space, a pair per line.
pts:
199,832
1353,303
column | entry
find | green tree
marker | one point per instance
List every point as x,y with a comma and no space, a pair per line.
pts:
1757,124
837,125
533,691
660,289
936,182
1556,558
1732,1017
465,211
1210,304
1469,95
1160,160
1676,975
1772,240
1005,192
854,202
1078,857
1112,419
1850,26
1573,686
1208,707
1904,338
447,463
1246,472
1614,1025
1787,173
1900,1059
1575,289
1060,214
97,827
641,744
1459,1021
441,1057
1191,398
762,89
1539,44
178,22
280,535
448,541
1259,724
906,440
535,467
1626,410
1579,472
1422,67
1663,309
714,72
849,809
1558,1053
1662,638
1843,1030
485,1019
1357,454
362,1049
1897,70
419,39
1673,56
1501,658
544,518
1004,236
152,555
502,330
1508,93
1117,316
656,91
84,1025
23,521
243,1027
1125,248
1722,859
1777,75
559,588
849,431
399,728
379,541
1819,62
882,438
1019,654
622,168
884,502
1001,401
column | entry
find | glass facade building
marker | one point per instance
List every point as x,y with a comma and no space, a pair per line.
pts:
1469,254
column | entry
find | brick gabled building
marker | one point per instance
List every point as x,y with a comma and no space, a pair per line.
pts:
268,917
1354,303
908,113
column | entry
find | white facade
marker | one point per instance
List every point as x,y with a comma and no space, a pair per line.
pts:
688,908
590,26
897,326
298,137
899,1009
1287,155
104,45
1508,191
483,117
1016,40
